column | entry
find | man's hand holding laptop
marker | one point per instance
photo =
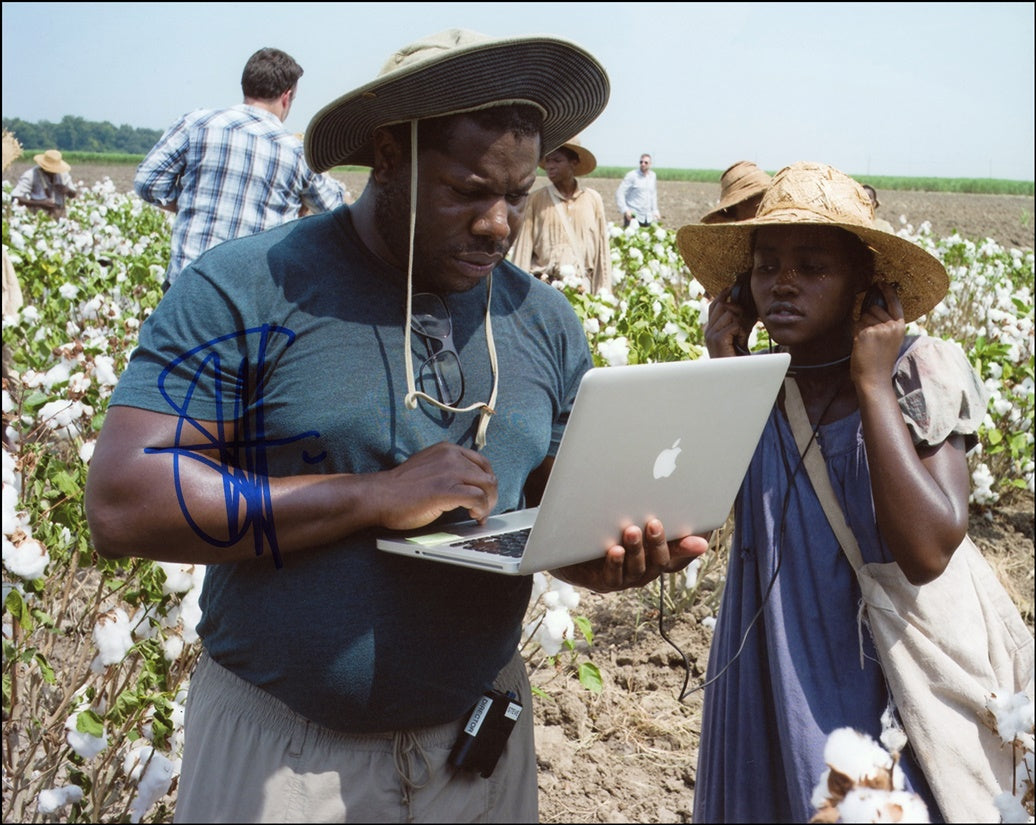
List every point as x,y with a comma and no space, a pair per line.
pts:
642,556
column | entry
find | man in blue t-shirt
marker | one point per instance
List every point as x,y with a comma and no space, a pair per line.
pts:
287,401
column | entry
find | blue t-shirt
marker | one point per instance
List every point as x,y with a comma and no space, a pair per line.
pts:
297,334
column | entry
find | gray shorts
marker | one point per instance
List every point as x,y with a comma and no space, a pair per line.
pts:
249,758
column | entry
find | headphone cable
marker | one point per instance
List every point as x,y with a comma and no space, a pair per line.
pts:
773,578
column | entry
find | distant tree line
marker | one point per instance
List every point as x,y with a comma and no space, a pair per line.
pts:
74,134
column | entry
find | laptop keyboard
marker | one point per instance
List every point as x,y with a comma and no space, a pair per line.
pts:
502,544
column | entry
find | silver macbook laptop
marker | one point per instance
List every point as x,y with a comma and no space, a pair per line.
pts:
670,440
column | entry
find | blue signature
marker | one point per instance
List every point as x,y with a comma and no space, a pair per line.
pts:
243,462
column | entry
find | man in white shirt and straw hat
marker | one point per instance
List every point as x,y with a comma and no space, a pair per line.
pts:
380,366
47,185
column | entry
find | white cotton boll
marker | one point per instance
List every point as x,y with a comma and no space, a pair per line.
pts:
821,792
63,417
153,773
53,800
30,314
557,625
9,470
551,599
68,291
671,330
190,613
709,622
172,647
1002,406
104,371
982,485
10,510
32,379
7,404
58,374
141,625
615,352
1011,808
27,560
540,584
591,326
84,744
690,574
90,309
568,596
113,636
179,578
893,737
872,805
78,383
86,450
855,754
1014,716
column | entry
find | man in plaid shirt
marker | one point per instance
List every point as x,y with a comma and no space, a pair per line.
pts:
225,173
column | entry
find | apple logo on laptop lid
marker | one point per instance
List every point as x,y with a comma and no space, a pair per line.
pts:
665,463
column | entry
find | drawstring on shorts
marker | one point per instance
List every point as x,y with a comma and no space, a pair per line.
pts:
404,748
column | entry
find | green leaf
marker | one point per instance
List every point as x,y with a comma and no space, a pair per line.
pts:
583,624
45,669
15,605
66,484
590,677
88,722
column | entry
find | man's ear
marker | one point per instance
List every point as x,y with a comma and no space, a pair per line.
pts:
388,155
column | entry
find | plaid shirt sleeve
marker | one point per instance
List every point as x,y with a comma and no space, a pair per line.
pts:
323,194
158,177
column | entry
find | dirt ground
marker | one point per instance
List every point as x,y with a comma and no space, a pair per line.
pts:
628,754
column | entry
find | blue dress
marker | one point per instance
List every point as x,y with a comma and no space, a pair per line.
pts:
769,710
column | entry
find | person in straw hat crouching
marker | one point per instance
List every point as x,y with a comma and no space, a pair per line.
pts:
47,185
565,232
299,390
893,416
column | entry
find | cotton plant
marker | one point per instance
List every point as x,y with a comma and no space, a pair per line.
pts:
1011,716
551,628
863,783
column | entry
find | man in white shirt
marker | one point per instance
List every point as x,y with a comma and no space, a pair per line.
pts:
637,195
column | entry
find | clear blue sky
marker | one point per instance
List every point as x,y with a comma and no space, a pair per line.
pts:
917,89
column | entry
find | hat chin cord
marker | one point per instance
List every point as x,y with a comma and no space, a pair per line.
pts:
413,394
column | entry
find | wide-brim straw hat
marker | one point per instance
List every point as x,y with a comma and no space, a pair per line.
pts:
586,163
458,71
738,183
50,161
820,195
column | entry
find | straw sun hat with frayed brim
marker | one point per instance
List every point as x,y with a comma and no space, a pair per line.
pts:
817,194
458,71
740,182
586,163
50,161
